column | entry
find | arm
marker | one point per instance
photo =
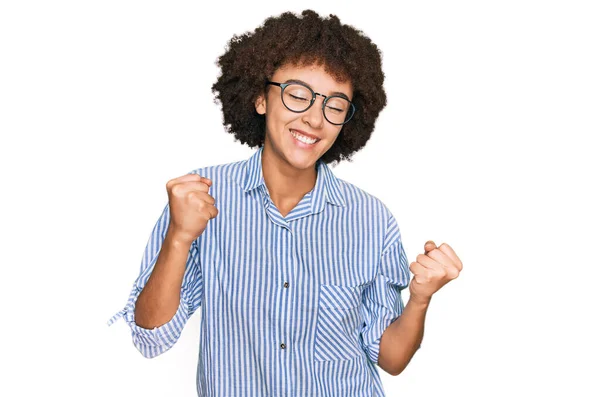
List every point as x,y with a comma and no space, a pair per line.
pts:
170,287
178,281
382,299
160,298
403,337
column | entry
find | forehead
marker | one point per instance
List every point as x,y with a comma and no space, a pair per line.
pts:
315,76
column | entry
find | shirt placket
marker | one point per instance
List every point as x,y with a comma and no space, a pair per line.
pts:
285,262
287,319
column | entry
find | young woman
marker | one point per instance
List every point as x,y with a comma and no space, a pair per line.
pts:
298,273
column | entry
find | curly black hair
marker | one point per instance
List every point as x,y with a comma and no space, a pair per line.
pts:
345,52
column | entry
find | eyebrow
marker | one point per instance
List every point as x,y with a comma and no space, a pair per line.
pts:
337,93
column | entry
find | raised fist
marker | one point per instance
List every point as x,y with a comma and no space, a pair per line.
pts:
190,205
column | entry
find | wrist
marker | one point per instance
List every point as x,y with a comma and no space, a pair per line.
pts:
419,301
178,240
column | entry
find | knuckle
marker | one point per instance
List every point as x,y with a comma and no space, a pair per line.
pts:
172,183
202,204
177,190
453,273
190,195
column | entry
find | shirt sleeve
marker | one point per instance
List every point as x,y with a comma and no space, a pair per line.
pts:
382,301
152,342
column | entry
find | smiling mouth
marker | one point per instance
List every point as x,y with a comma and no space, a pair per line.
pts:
304,139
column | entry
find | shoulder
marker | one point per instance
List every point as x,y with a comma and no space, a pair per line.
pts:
220,172
372,214
358,199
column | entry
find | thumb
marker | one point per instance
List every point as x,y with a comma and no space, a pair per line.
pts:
429,246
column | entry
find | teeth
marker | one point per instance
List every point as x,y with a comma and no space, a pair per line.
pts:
302,138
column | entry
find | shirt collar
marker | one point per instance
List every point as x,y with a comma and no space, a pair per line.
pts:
327,186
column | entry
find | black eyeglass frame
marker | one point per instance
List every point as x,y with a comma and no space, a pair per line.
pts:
313,99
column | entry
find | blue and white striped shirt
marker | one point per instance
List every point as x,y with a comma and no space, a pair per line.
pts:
291,306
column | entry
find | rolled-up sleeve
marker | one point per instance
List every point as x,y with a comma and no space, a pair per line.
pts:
152,342
382,300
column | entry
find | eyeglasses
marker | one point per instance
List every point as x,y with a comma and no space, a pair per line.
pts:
298,98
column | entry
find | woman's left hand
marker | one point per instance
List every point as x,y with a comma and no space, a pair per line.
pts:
433,270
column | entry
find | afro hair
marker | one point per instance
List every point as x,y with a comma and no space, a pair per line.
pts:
346,54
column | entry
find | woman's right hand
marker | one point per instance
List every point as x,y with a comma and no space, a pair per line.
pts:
190,205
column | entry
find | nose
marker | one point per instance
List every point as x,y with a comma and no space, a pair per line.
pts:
314,115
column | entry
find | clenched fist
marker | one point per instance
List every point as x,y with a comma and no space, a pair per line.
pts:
433,270
190,205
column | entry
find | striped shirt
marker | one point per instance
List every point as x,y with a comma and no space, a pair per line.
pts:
290,306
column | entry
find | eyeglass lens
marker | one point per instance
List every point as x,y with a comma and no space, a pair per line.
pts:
298,98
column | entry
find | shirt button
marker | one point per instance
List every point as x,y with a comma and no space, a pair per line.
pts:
286,284
283,345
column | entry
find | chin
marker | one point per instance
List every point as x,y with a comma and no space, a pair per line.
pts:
303,164
302,161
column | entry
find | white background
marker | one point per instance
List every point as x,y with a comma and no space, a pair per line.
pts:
489,143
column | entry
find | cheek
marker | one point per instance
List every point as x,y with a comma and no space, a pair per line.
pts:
334,133
279,119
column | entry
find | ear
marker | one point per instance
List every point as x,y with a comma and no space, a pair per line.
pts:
260,104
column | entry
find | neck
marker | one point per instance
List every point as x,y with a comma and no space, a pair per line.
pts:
284,181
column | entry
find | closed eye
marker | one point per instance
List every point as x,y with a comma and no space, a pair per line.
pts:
298,98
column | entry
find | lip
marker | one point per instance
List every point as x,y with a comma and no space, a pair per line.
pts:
305,134
300,144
